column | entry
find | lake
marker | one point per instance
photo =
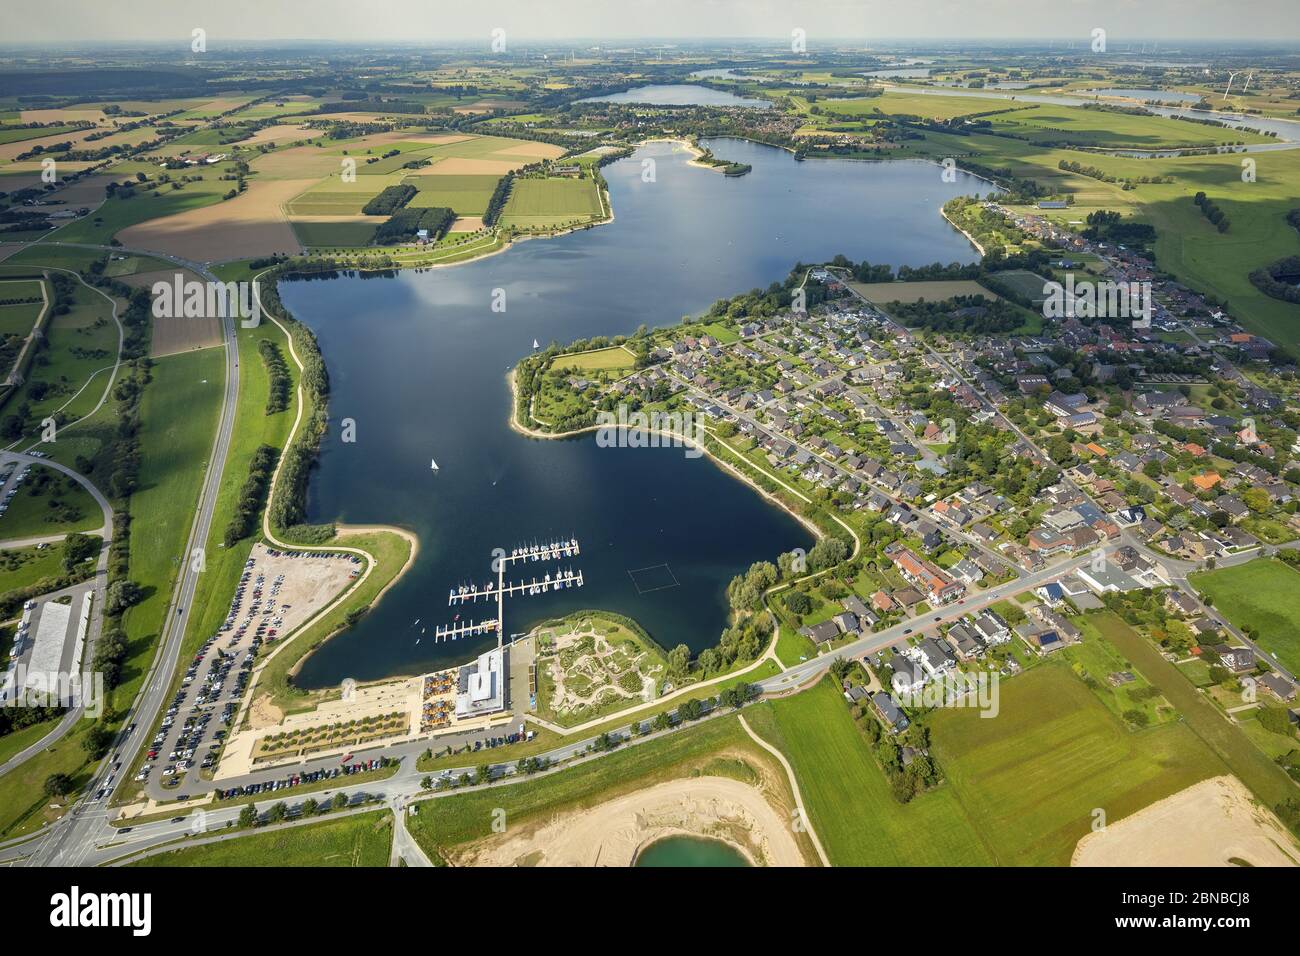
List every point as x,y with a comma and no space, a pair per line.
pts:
690,851
419,361
1164,96
678,94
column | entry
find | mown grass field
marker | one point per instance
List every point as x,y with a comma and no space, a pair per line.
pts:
613,359
549,203
848,798
1260,595
1263,595
1227,741
49,502
464,195
361,840
1030,778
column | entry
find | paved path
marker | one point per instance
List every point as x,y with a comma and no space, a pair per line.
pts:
804,820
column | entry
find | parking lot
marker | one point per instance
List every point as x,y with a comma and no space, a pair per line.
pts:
277,591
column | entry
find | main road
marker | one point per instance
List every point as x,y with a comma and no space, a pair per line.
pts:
78,830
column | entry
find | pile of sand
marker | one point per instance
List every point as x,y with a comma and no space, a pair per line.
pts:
1212,823
612,833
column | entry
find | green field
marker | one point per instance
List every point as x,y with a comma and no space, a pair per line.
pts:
23,567
1030,778
335,234
613,359
848,798
550,203
464,195
49,502
364,839
1263,595
1233,748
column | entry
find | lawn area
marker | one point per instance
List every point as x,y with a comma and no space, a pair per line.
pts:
23,567
364,839
1264,596
1264,778
613,359
848,798
1030,778
49,502
550,203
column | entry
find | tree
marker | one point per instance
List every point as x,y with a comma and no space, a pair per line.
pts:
426,783
679,659
310,807
482,773
277,813
339,801
97,741
248,815
122,595
76,548
58,785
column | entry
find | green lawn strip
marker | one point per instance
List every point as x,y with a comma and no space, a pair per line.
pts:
24,567
1233,748
49,502
363,839
848,798
23,804
1260,596
15,742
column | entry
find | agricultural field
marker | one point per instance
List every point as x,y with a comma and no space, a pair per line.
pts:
359,840
848,797
1030,779
613,359
464,195
551,203
1259,596
939,291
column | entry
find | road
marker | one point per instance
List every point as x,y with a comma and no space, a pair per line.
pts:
70,838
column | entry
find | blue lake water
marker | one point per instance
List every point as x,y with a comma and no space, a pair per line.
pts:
679,94
678,851
419,361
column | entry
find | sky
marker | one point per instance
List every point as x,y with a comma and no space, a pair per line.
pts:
833,22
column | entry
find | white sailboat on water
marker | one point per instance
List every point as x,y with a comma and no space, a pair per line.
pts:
433,464
536,344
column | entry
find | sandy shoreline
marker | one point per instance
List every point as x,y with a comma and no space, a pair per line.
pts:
614,832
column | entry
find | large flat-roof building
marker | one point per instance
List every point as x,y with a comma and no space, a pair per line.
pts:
481,685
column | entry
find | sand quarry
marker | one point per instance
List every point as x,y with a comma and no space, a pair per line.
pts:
1212,823
612,833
